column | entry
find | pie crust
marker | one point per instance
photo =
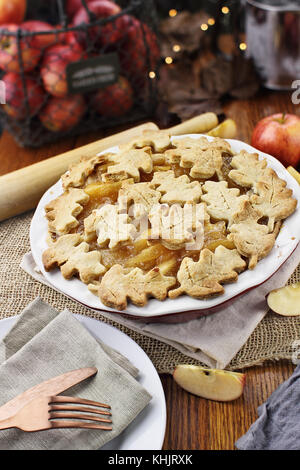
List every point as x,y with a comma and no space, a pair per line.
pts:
163,218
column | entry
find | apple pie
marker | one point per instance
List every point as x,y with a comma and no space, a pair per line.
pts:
165,217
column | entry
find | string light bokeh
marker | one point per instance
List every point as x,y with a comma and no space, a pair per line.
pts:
224,9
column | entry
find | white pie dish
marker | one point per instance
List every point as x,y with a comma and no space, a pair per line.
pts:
175,309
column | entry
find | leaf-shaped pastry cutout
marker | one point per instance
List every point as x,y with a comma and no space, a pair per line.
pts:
60,250
274,200
85,263
79,172
204,278
176,190
222,202
252,239
159,141
248,169
128,164
112,228
204,157
73,256
62,211
140,194
117,286
178,226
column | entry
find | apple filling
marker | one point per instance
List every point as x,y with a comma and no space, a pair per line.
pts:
146,253
165,218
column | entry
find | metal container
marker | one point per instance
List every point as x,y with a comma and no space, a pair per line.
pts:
273,40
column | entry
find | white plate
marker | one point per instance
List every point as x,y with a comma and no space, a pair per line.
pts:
147,431
286,243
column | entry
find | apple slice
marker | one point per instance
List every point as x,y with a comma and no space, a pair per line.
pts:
219,385
294,173
226,130
286,300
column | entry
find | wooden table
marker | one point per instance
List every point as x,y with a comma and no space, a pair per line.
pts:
192,422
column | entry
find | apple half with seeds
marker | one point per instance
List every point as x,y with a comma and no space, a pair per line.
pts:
286,300
214,384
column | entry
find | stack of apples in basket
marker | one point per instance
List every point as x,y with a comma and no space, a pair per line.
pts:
34,57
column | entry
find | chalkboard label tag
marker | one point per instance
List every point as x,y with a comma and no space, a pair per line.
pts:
94,73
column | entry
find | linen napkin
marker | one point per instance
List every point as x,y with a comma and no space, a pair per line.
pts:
278,425
43,344
214,339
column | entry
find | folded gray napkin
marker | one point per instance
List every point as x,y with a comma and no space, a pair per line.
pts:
215,339
278,425
43,344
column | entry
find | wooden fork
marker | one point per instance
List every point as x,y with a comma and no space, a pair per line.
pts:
58,412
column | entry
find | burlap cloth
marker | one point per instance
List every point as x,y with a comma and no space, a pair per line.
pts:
272,339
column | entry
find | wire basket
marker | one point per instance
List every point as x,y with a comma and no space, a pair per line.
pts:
95,70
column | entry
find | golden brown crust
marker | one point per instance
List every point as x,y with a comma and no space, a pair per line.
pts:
177,226
274,200
62,212
159,141
222,202
78,173
248,169
116,287
163,183
128,164
59,251
176,190
203,278
252,239
73,256
203,157
139,194
110,226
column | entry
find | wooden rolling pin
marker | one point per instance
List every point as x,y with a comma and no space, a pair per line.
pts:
21,190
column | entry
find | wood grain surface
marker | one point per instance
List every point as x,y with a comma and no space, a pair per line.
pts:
192,422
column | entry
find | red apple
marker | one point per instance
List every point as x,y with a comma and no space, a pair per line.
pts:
107,34
63,38
12,11
9,57
42,41
279,135
15,105
114,100
140,52
62,114
72,7
70,38
53,70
